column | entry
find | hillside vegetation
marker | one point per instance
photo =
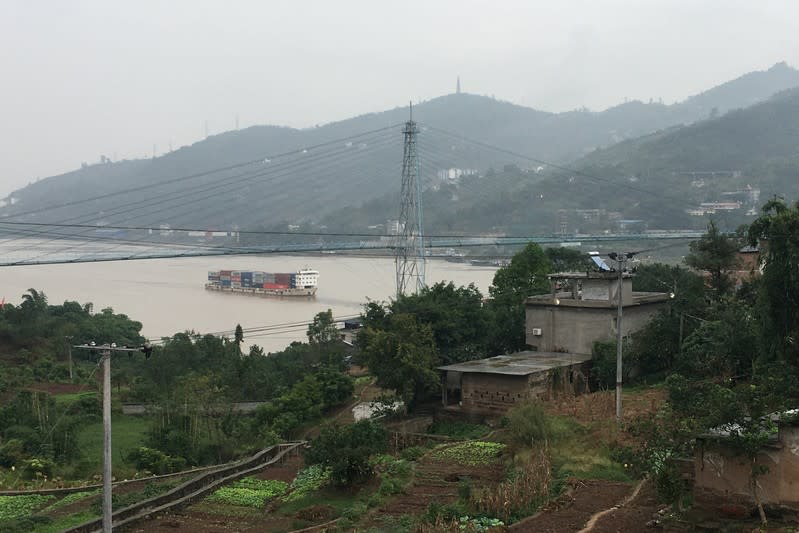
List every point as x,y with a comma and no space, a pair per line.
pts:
654,179
306,185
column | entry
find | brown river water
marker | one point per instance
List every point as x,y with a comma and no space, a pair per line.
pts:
167,295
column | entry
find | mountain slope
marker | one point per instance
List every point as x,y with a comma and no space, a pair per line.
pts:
745,156
336,173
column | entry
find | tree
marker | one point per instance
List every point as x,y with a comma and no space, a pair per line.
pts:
567,259
778,228
454,314
323,330
723,346
238,336
346,450
402,356
34,302
716,254
686,285
526,275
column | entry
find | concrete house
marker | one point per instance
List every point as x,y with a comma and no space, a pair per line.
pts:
561,327
495,384
581,309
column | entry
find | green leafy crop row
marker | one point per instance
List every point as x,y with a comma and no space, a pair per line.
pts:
472,453
21,506
249,492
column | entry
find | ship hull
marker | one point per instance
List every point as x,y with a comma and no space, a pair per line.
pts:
255,291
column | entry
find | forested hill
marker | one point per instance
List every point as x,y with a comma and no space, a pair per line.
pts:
759,143
660,176
345,173
654,179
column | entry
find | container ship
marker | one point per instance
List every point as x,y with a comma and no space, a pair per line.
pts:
300,283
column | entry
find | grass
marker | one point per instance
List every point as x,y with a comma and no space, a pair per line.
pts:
339,500
62,400
69,499
577,452
127,434
361,381
66,522
459,430
223,509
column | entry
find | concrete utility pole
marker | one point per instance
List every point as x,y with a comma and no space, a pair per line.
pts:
106,351
621,261
69,355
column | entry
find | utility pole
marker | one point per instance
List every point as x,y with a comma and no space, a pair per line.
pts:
621,260
409,255
106,350
69,354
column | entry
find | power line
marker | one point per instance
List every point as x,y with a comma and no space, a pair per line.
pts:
200,174
128,207
658,195
224,184
262,330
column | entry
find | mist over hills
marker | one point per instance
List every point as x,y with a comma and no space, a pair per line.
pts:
724,167
336,166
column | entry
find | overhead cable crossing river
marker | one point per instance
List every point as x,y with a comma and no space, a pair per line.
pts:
161,251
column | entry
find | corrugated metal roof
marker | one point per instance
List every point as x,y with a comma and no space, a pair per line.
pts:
518,364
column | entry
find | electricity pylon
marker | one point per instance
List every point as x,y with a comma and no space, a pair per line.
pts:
409,255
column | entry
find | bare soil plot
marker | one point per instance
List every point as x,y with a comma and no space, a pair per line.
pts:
576,506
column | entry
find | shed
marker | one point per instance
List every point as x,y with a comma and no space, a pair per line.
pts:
495,384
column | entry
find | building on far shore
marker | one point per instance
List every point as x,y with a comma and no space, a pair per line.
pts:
582,309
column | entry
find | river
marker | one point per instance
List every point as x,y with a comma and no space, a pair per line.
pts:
167,295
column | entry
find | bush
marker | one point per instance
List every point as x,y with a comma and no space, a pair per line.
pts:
11,452
528,424
155,461
412,453
346,450
38,467
390,485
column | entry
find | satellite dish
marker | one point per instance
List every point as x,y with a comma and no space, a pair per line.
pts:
599,262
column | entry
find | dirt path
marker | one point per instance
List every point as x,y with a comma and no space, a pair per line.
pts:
575,508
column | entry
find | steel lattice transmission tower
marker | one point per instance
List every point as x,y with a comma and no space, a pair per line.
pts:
409,256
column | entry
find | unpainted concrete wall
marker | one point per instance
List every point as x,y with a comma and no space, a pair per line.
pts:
500,392
574,329
721,475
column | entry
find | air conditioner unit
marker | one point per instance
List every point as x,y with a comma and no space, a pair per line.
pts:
537,332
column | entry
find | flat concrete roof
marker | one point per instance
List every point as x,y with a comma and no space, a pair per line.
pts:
518,364
610,274
565,299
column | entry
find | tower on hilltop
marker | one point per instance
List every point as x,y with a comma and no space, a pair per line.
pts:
458,86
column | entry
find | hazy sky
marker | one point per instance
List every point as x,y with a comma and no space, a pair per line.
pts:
84,78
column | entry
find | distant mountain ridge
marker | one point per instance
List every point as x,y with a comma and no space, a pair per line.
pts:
309,192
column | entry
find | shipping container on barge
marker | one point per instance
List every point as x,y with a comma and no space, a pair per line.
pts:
257,283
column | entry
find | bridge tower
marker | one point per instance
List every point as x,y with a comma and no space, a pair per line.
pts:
409,253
